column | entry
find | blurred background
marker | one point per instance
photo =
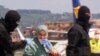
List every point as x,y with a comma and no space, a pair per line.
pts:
57,15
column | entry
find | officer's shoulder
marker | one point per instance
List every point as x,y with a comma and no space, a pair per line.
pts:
76,27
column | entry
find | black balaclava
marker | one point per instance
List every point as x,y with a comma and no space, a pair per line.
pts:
83,18
11,19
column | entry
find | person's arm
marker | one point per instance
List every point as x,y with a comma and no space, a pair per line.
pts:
76,6
19,45
73,37
48,45
5,41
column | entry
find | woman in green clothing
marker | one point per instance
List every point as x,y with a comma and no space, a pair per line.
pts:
40,44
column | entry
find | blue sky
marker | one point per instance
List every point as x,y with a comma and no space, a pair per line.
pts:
55,6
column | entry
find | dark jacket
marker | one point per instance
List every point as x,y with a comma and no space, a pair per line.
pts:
78,40
6,46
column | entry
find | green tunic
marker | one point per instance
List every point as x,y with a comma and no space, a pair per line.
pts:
35,49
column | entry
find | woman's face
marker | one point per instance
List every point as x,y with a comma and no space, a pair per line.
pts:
42,34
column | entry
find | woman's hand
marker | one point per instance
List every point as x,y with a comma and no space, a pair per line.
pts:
54,52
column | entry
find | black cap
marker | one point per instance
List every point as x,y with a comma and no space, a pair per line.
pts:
12,16
84,9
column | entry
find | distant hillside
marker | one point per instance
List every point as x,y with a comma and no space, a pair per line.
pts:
35,17
3,11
